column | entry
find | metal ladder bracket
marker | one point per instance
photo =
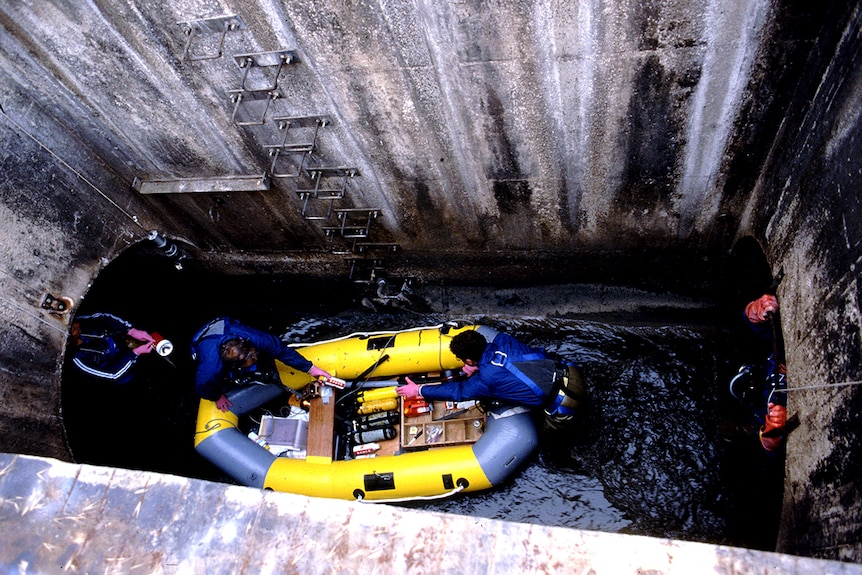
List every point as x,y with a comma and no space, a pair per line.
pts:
289,123
293,122
355,222
318,215
240,96
371,247
327,194
208,26
363,250
277,59
371,267
334,172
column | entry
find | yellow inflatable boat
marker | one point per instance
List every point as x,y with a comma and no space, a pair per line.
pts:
425,452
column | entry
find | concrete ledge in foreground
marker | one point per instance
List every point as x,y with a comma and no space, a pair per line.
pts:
63,518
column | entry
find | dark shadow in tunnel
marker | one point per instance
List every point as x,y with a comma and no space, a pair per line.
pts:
149,423
753,477
137,425
747,274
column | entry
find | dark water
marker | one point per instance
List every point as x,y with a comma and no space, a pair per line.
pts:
645,458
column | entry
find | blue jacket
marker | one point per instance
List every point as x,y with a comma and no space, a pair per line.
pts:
103,351
212,377
493,381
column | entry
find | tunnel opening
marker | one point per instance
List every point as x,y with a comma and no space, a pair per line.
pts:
148,422
648,457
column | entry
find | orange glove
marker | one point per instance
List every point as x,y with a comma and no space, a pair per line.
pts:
776,418
758,311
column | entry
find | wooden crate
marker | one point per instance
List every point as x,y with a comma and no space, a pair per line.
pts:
442,426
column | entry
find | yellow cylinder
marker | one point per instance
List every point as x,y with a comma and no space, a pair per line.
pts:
385,354
378,406
375,394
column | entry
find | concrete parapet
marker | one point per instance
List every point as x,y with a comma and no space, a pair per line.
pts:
65,518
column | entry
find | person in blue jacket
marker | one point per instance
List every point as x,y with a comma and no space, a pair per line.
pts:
503,370
108,347
229,353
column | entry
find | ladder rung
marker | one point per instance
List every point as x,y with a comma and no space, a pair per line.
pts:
328,194
302,121
364,246
372,261
347,232
345,228
240,96
333,172
290,148
357,211
360,264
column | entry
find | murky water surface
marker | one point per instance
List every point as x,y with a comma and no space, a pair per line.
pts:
645,458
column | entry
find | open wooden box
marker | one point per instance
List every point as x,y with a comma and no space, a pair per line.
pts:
447,423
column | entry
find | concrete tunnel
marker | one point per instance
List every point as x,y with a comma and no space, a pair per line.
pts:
629,144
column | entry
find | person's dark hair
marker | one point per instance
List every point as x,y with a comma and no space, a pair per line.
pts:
468,345
228,343
232,349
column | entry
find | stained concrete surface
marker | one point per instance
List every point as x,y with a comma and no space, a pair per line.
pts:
64,518
605,126
616,133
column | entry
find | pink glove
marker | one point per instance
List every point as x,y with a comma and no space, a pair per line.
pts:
141,335
317,372
411,389
758,311
469,369
223,403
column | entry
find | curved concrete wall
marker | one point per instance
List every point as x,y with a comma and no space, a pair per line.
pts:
635,141
806,210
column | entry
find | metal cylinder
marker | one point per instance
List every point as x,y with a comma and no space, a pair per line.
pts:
374,435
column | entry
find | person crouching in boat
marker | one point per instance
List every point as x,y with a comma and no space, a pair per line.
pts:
229,354
509,372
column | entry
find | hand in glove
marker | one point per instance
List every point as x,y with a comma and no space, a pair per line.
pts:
410,389
469,369
758,311
223,403
776,418
317,372
147,342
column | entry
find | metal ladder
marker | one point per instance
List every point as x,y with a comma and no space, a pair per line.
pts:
318,188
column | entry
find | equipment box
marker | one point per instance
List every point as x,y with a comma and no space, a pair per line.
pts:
448,423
